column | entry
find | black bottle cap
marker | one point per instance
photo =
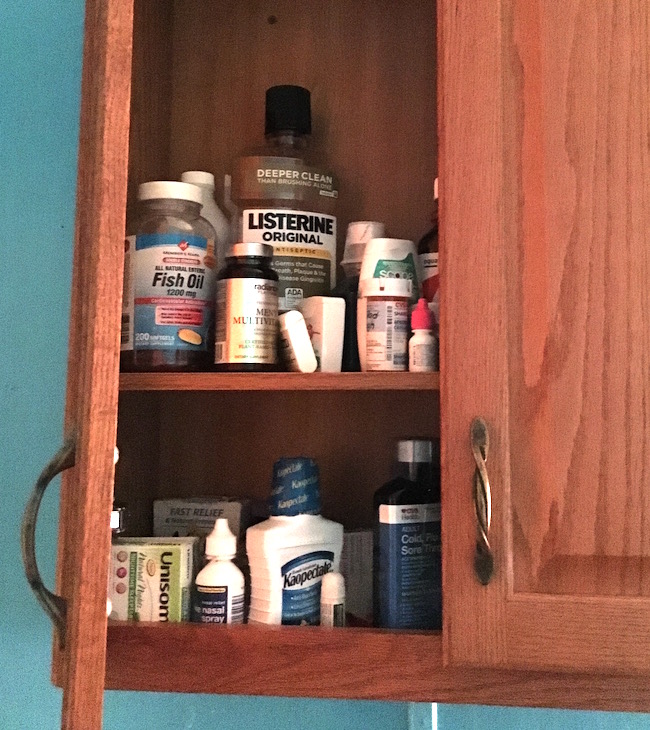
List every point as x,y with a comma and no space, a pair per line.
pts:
288,109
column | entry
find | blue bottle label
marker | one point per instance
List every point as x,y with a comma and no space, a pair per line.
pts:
301,582
169,291
410,572
211,606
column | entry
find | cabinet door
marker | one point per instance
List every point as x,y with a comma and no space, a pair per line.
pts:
545,219
92,389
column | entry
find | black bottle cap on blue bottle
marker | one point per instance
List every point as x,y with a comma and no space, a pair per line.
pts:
288,109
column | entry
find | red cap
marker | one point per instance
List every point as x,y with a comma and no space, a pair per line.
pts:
422,316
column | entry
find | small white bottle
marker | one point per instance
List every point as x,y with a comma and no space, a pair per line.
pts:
332,600
325,320
383,324
296,349
219,589
211,211
423,348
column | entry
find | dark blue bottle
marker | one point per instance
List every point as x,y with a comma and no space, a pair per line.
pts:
407,566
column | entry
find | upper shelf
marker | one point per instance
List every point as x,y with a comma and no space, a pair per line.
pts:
279,381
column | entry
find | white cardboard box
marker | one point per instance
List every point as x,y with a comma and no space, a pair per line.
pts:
356,567
196,515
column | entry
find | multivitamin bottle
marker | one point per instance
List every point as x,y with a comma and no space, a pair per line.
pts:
407,569
169,281
247,310
286,200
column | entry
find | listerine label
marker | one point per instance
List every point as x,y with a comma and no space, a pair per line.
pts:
301,583
304,250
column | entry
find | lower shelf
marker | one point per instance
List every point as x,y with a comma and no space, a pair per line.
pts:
350,663
276,660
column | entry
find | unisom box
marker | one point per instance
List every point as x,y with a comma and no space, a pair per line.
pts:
151,578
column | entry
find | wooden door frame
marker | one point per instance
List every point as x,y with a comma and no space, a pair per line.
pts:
93,362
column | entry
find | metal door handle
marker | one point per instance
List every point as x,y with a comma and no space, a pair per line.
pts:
483,557
53,605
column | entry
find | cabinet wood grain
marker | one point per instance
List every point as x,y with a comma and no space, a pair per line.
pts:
548,104
368,664
91,408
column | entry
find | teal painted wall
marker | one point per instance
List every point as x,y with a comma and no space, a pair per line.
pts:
473,717
40,52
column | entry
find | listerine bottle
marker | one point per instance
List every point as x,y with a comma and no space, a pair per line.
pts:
287,200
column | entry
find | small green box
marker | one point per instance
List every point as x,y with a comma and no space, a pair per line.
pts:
151,578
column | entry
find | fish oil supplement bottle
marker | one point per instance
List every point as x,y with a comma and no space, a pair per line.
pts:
204,181
287,200
247,310
407,585
169,281
219,586
291,551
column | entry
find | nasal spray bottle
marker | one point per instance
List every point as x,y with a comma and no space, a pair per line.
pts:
219,593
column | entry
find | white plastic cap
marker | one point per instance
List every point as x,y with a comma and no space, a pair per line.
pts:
385,288
332,588
295,343
221,543
165,189
358,235
435,189
419,451
198,177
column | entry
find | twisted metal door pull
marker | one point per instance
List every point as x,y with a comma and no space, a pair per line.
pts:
483,558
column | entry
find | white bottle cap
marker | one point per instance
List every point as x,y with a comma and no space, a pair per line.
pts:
385,288
198,177
221,543
419,451
163,189
332,588
295,343
358,235
435,189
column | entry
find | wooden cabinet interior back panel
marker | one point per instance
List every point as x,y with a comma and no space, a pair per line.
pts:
370,67
151,94
226,443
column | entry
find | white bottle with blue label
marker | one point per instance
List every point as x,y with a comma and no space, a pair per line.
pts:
219,586
291,551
